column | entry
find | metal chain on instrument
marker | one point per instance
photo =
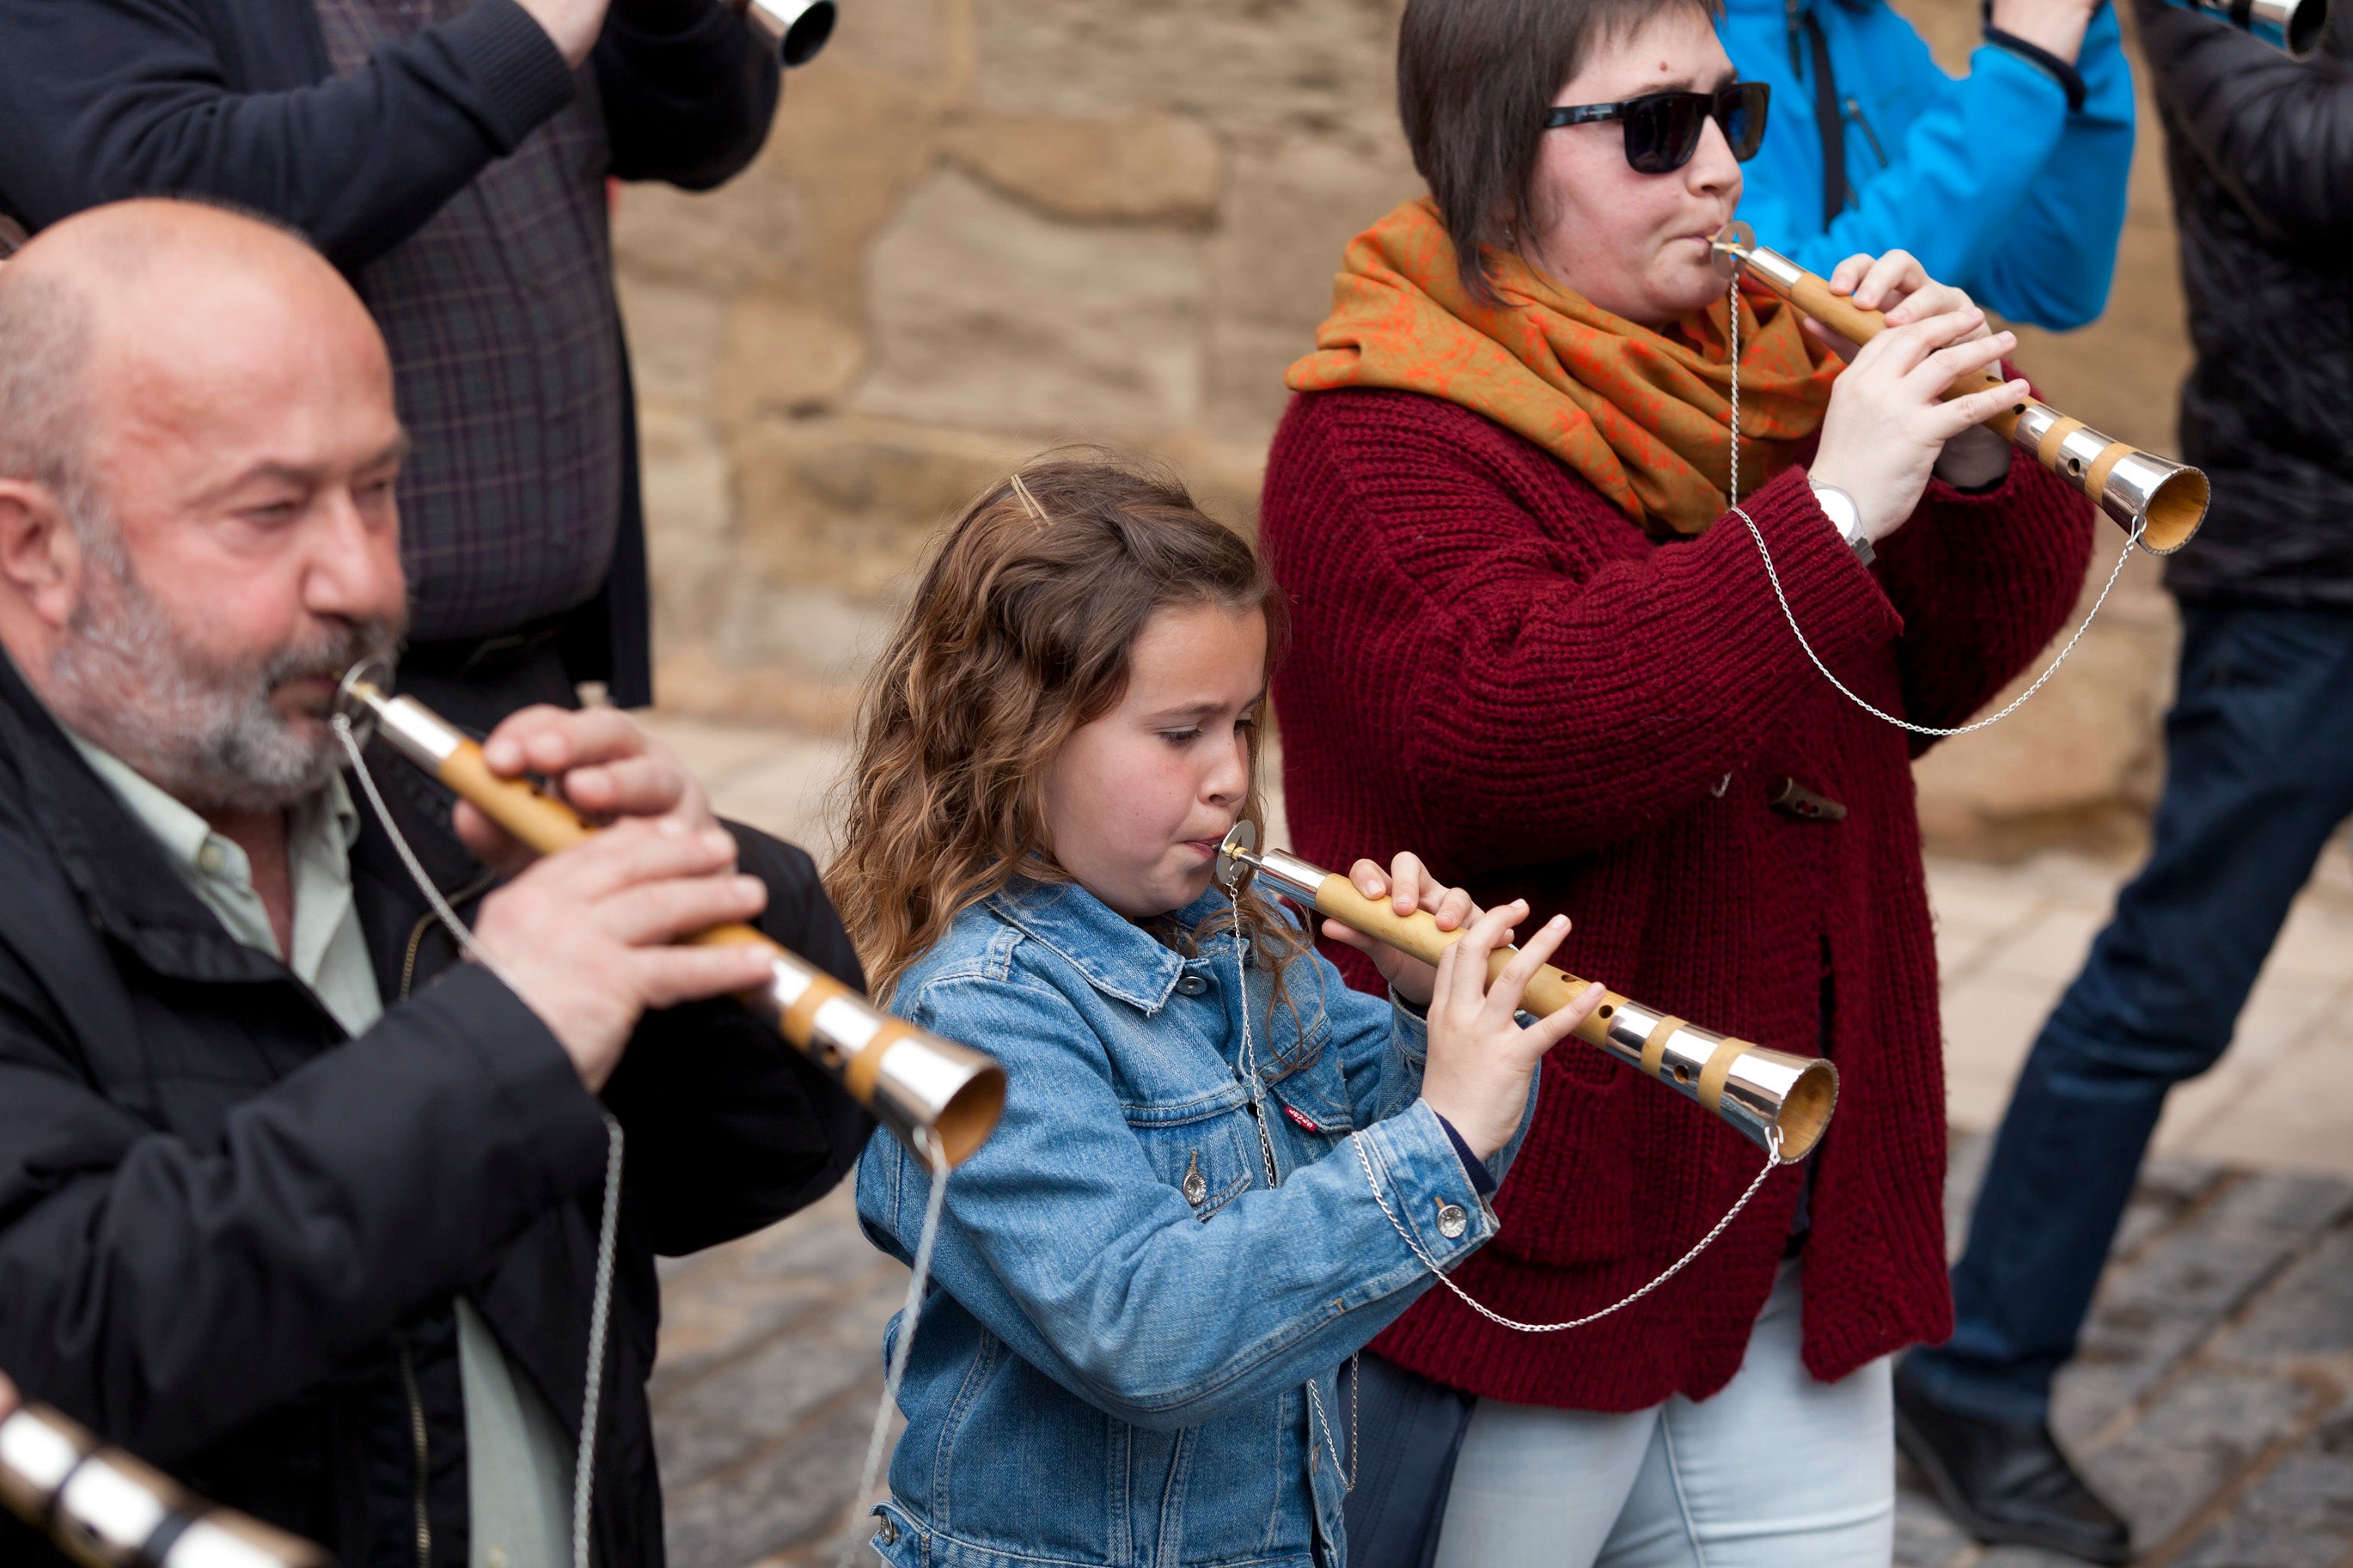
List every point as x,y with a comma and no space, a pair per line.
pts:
918,1278
600,1301
1733,505
1773,1161
608,1238
1266,1153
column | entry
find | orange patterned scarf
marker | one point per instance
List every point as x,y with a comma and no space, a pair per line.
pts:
1641,415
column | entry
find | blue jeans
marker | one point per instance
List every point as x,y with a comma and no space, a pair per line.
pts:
2259,772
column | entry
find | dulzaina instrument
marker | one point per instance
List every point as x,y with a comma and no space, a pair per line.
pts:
105,1509
795,29
1759,1092
2293,26
921,1087
2164,500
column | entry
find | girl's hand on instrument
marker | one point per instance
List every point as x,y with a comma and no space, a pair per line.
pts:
1888,422
602,762
1409,886
1481,1059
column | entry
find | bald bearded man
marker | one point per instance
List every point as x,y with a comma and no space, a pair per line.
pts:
293,1202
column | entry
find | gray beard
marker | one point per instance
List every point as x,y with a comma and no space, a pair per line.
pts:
201,728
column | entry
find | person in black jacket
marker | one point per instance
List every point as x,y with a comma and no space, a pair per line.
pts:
451,157
294,1203
2259,750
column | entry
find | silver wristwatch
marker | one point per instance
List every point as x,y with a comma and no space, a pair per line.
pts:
1847,517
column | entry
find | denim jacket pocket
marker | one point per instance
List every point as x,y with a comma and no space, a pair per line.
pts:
1204,1148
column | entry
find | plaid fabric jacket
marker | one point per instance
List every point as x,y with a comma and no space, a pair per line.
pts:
460,132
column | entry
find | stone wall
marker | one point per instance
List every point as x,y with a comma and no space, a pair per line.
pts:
985,227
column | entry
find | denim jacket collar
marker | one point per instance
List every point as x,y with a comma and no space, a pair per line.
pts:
1118,957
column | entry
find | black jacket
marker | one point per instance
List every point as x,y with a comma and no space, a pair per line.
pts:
2260,149
102,100
230,1234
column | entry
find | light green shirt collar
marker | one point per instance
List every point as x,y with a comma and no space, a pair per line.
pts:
330,951
518,1458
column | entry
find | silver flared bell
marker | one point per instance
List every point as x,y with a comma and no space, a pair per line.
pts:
2293,26
795,29
2164,500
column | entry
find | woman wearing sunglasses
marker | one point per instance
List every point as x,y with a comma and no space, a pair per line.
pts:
1533,647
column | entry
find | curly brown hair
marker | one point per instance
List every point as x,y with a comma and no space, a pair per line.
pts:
1019,633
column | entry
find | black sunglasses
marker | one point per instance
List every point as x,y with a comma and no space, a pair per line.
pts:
1663,129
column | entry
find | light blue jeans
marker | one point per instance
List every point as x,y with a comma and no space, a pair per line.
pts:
1774,1471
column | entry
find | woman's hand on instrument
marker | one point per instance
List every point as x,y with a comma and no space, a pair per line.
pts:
1409,886
1900,288
585,936
1481,1059
600,760
1888,420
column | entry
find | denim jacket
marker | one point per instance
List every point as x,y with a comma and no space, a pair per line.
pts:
1113,1359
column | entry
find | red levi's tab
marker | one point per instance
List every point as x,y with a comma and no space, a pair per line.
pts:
1301,1118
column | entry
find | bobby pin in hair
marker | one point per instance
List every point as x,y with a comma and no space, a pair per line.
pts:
1029,503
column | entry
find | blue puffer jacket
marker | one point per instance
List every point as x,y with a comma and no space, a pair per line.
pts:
1989,179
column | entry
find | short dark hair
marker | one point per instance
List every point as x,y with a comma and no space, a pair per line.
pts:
1474,79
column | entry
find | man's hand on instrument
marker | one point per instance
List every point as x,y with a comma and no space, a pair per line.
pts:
7,1397
1899,287
1481,1059
585,936
1409,886
601,761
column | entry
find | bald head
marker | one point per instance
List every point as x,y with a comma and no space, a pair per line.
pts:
156,299
198,454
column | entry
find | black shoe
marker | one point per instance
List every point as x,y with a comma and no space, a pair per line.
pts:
2007,1480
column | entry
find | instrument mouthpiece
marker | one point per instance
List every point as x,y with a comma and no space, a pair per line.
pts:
1236,858
1730,247
360,696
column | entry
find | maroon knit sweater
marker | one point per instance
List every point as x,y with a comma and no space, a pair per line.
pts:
1493,668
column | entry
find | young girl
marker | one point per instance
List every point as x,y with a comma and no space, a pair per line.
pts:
1220,1170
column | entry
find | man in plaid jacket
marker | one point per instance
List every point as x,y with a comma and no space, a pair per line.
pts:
450,157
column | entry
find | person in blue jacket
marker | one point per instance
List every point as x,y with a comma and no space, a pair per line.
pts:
2008,182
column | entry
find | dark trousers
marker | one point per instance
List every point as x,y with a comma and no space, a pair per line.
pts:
2259,772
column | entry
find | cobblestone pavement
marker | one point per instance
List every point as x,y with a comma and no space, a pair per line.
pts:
2213,1401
